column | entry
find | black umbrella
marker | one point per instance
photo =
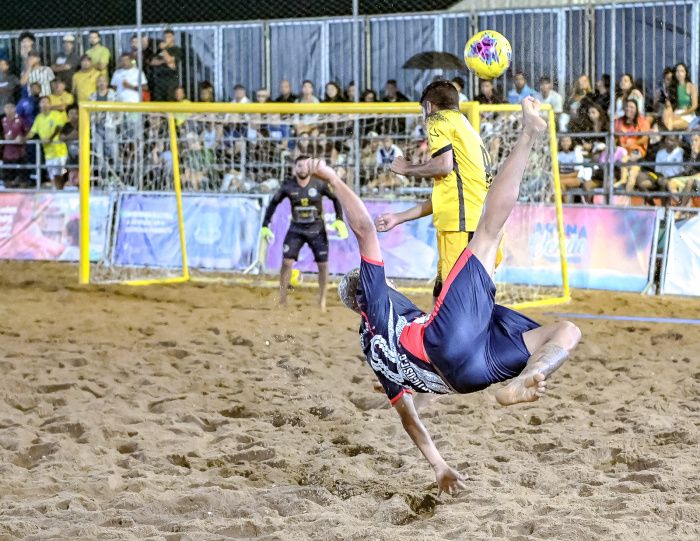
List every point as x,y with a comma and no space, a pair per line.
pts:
434,60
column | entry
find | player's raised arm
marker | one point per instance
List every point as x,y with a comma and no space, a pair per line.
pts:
354,210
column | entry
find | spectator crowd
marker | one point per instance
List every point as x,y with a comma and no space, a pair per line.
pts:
39,101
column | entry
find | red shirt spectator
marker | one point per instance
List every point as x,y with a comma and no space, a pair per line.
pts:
13,127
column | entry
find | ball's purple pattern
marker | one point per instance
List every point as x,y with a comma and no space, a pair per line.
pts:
485,49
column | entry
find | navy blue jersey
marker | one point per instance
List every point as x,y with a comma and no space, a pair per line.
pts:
385,314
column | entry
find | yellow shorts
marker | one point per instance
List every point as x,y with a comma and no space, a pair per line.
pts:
450,246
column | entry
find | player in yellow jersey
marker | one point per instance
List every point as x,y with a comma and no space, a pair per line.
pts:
461,169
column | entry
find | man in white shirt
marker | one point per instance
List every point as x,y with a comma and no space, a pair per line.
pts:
387,153
547,94
126,80
671,153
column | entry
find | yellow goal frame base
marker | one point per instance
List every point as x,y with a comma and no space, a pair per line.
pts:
472,110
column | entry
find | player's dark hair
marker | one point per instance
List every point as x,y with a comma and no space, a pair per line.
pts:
301,157
442,94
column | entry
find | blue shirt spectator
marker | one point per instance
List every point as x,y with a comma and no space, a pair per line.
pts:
520,90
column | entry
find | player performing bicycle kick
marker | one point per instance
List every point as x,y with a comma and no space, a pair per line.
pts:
468,342
307,226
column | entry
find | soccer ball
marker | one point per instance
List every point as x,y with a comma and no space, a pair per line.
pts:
487,54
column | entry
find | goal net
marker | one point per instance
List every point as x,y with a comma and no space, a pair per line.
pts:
189,184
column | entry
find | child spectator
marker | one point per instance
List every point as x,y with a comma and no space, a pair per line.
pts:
47,126
14,129
686,101
206,92
571,171
60,99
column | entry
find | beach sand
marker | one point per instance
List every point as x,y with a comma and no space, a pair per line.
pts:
203,412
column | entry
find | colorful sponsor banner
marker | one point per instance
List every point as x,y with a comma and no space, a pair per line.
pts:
46,225
607,247
409,250
222,232
683,262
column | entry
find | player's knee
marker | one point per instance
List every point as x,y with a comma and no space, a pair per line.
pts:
569,333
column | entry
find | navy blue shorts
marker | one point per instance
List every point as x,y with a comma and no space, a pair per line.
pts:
472,341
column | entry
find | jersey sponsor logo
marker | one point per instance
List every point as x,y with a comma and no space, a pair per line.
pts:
313,192
285,248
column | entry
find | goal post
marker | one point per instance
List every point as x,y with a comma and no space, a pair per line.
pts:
201,162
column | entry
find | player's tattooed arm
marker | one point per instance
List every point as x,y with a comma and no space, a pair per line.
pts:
448,479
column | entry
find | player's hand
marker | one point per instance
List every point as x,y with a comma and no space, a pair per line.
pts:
400,165
267,234
386,222
320,169
533,123
341,228
449,480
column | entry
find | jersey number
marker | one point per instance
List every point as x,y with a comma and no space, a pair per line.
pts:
487,165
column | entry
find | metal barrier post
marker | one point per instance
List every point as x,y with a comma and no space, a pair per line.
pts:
37,164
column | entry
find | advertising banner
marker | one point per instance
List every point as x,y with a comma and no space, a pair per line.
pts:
409,250
607,247
46,225
222,231
683,262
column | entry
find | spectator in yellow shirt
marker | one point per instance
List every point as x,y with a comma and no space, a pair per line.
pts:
85,80
47,125
98,53
60,99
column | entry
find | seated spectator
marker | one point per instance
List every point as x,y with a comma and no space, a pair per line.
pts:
593,119
635,145
85,80
35,72
60,99
98,53
488,94
671,153
262,95
69,135
601,96
9,84
458,83
128,81
333,93
286,94
181,97
392,93
14,129
206,92
627,90
350,91
67,62
686,101
28,107
547,94
307,93
520,89
240,94
47,126
665,92
579,92
387,152
572,173
368,96
165,76
688,181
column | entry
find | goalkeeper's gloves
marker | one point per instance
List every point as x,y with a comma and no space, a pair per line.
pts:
267,234
341,228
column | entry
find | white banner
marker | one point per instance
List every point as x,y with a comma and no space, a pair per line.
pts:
683,266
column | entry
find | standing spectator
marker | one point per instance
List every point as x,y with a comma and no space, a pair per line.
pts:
602,92
26,46
686,101
98,53
665,93
240,94
28,107
146,51
547,94
105,124
126,80
169,44
307,93
627,91
392,93
9,84
488,94
67,62
350,91
286,95
60,99
36,73
47,126
520,89
458,83
164,75
14,129
85,79
206,92
333,93
69,135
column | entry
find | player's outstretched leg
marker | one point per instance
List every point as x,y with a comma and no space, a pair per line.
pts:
551,345
322,285
285,277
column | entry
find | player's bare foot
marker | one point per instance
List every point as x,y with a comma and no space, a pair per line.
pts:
322,306
533,123
524,388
